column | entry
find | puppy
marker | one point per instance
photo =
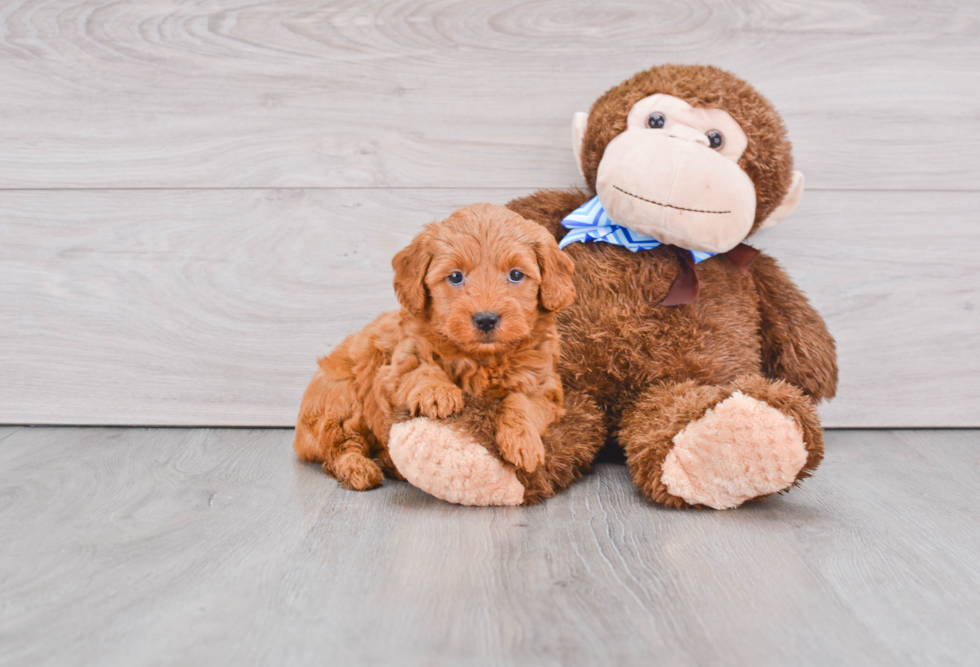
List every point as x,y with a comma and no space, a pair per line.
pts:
478,292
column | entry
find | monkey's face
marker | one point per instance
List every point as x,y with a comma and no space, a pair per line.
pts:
674,174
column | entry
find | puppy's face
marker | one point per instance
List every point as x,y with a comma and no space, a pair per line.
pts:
483,277
483,292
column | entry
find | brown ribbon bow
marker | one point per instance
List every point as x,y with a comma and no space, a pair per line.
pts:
686,286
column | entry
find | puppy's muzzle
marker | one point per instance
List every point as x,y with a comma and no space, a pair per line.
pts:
486,321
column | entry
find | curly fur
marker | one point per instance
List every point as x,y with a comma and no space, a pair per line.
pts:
430,359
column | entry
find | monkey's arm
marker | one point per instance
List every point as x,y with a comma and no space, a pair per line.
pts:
549,207
796,345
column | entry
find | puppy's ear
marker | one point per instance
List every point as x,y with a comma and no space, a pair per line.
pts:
411,265
557,291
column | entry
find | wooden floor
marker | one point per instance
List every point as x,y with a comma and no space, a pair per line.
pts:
213,547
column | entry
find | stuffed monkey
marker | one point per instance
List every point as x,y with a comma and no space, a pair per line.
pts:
693,351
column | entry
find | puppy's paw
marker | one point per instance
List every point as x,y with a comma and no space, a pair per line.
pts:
520,446
356,472
436,401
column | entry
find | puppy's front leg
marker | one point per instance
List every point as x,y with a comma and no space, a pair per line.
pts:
521,420
427,391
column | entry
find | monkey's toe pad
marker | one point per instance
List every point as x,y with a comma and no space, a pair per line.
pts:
448,464
740,449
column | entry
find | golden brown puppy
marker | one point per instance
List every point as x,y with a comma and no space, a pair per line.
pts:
479,292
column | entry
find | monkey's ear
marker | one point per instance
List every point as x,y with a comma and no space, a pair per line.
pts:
789,204
579,122
411,265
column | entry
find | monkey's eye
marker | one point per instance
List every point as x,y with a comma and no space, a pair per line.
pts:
515,276
656,120
715,139
455,278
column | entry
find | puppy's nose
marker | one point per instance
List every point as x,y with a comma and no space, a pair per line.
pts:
486,321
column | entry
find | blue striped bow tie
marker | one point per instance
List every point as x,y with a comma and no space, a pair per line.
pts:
589,223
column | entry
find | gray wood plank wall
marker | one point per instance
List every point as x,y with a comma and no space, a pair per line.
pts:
197,199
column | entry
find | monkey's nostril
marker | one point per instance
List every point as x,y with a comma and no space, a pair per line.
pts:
486,321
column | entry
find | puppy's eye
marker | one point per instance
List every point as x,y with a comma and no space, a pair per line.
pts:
455,278
656,120
515,276
716,139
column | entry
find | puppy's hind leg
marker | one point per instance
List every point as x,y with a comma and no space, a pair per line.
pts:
353,468
328,429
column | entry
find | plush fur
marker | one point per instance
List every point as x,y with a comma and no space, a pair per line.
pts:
431,358
768,159
742,448
656,370
457,459
450,464
731,379
656,424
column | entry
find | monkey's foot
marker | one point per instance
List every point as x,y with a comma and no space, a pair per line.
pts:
741,449
448,463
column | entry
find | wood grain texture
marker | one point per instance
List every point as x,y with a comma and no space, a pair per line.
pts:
211,307
197,199
382,93
219,547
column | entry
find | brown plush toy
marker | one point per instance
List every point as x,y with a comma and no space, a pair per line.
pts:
705,360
